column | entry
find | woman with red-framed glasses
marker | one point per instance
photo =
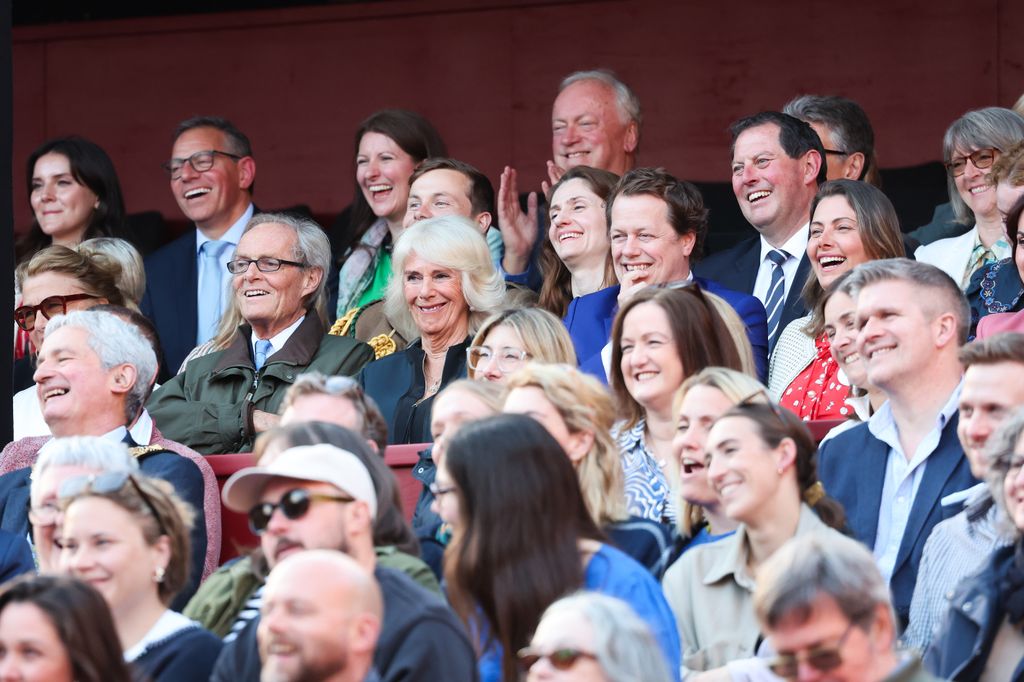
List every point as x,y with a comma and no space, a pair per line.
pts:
55,281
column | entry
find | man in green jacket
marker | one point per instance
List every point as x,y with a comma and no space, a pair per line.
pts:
273,331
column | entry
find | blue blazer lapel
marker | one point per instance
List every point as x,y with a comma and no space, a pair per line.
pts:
940,465
746,266
869,475
796,307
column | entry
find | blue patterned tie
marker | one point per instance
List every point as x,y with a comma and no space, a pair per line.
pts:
775,301
211,290
263,349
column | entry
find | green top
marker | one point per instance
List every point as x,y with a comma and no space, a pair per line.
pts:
380,280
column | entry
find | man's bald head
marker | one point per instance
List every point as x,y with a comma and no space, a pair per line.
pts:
321,616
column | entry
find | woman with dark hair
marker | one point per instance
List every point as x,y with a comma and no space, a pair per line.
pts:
57,629
996,293
576,258
762,462
851,223
388,147
128,535
660,337
523,537
74,194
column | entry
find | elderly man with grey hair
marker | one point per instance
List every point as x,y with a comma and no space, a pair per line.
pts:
825,609
94,370
275,329
845,132
595,121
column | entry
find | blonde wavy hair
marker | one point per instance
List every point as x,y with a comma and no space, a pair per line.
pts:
449,242
584,405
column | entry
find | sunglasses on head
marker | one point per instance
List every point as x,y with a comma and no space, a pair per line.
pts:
822,658
294,504
560,659
105,484
50,307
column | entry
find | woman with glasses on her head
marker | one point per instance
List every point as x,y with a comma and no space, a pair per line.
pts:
971,145
443,287
851,223
577,411
57,629
523,537
127,535
762,463
702,399
510,338
659,338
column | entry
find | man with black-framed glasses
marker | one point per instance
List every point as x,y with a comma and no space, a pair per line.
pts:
211,172
321,497
222,400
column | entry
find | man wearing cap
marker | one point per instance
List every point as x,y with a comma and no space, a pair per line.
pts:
322,497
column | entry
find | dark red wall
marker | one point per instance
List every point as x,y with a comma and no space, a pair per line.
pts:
299,81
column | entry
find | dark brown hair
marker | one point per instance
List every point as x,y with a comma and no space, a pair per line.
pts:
415,135
775,424
556,289
685,204
515,550
701,336
481,191
82,620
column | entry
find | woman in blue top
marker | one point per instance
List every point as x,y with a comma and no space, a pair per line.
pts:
523,537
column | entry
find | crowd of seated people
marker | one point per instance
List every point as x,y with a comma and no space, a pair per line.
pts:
499,437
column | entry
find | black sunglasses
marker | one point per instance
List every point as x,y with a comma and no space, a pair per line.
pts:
560,659
105,484
294,504
50,307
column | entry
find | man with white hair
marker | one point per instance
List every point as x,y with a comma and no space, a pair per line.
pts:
322,497
320,620
223,400
595,121
94,373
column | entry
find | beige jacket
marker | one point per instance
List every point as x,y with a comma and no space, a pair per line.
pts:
710,592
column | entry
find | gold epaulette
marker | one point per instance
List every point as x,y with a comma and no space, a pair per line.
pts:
344,323
140,451
383,344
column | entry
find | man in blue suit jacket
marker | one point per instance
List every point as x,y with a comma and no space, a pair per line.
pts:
212,174
891,473
655,224
777,164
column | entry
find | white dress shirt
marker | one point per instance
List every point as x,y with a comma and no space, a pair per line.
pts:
795,247
276,342
902,478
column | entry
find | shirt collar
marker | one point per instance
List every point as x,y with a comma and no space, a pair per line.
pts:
882,424
142,430
234,232
795,246
277,341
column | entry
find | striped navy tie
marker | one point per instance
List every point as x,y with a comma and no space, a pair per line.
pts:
775,301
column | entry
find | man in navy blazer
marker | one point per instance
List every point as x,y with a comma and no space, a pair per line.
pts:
656,224
212,174
777,164
891,473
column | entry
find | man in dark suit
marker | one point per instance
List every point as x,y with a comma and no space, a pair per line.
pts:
891,473
777,165
656,223
212,172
